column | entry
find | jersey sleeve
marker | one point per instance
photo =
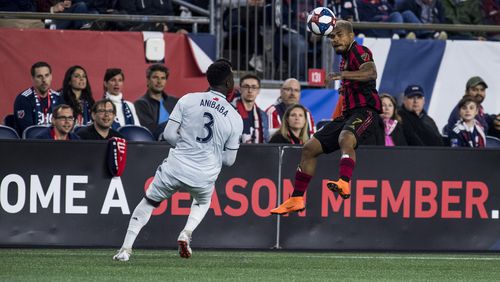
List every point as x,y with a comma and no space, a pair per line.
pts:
23,113
365,55
233,143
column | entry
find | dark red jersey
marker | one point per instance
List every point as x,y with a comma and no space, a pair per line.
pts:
358,94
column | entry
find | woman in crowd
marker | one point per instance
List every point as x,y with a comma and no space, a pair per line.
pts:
125,110
76,93
294,128
391,122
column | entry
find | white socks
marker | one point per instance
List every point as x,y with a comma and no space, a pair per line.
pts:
139,218
198,212
143,212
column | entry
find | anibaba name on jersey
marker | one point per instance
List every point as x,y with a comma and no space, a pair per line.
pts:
214,105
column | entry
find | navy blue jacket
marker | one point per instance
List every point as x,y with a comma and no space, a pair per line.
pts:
46,135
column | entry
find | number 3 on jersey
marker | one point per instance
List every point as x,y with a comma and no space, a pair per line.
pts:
209,128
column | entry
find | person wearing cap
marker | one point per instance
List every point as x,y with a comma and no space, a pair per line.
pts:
475,87
418,127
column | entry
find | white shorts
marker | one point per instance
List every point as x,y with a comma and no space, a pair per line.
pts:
165,185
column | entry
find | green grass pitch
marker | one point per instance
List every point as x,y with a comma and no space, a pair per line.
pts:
231,265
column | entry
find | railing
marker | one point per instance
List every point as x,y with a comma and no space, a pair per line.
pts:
244,34
267,43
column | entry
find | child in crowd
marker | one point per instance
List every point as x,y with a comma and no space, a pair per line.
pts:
468,132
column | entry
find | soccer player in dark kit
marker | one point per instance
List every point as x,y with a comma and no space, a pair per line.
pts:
357,125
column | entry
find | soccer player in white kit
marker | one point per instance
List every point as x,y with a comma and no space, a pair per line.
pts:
205,131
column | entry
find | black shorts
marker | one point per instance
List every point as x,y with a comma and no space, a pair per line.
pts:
362,123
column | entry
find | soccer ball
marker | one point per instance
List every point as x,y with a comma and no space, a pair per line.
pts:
321,21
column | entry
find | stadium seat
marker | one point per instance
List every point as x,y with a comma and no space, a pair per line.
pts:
7,132
136,133
492,142
321,123
32,131
9,121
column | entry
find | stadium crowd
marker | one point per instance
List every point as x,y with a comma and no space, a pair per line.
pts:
286,120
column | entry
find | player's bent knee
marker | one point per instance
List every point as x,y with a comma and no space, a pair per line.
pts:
312,149
347,139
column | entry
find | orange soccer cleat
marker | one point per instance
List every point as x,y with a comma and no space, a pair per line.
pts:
293,204
340,186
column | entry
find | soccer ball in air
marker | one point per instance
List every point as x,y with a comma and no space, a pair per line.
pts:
321,21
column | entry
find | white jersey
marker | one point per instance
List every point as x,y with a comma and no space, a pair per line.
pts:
208,126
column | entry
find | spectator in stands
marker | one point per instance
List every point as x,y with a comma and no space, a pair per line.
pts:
293,129
467,132
427,12
102,6
64,6
495,128
63,121
35,104
76,93
491,12
125,110
150,7
466,12
255,125
292,34
19,6
289,95
475,87
392,130
383,11
245,27
344,9
418,127
103,115
154,107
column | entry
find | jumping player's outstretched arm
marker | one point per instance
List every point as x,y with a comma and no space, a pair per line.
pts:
367,71
171,132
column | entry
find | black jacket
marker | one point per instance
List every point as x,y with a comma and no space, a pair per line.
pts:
420,130
148,110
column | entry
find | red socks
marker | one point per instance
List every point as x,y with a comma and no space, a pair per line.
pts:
346,168
301,182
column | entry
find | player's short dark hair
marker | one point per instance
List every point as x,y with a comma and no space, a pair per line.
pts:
60,107
249,76
103,102
218,73
111,72
224,61
39,65
157,67
465,100
344,25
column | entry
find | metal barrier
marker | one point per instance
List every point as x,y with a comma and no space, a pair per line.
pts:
271,41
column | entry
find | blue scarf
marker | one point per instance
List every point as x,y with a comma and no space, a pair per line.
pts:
86,112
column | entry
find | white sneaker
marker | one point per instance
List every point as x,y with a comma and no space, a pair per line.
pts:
123,255
395,36
183,242
256,62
